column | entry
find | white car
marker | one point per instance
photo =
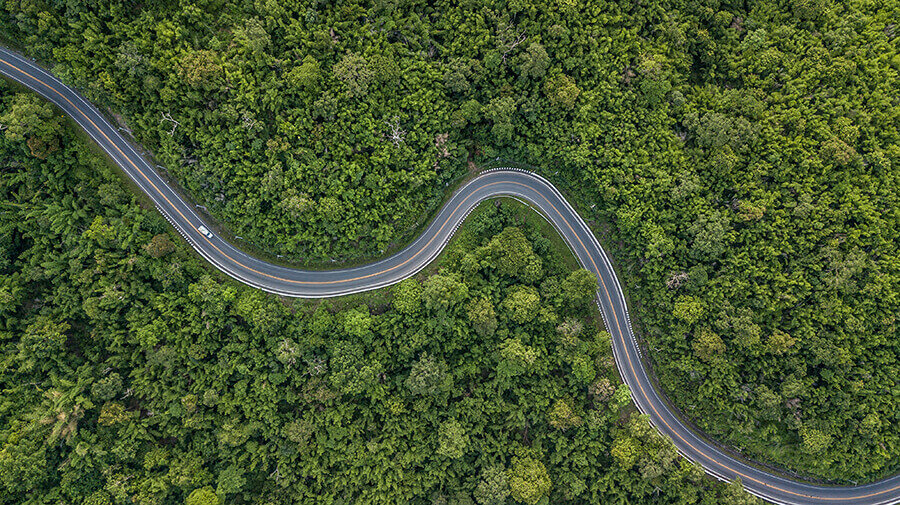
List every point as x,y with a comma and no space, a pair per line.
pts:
204,230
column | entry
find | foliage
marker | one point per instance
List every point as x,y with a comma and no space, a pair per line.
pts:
453,439
493,488
740,161
130,377
202,496
529,481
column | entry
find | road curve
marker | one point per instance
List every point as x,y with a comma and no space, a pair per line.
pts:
520,184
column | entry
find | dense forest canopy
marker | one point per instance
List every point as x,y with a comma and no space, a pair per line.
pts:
130,373
741,161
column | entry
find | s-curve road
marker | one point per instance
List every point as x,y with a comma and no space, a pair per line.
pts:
520,184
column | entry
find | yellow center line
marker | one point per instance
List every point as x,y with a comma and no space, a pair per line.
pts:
424,247
136,167
655,411
561,216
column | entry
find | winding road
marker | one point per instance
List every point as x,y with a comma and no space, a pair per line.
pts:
530,187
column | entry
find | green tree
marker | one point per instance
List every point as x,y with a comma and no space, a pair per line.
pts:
481,314
707,345
253,38
533,62
621,398
444,291
298,432
351,373
734,494
471,110
260,310
23,461
870,424
429,376
709,232
780,342
580,288
407,296
231,480
562,91
452,439
354,71
747,332
107,388
529,481
516,358
32,119
42,344
500,111
202,496
583,370
769,402
100,497
511,254
523,304
493,487
456,77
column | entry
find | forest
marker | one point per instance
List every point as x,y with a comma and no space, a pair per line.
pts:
739,159
131,372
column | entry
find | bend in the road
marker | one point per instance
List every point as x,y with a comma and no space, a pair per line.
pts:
520,184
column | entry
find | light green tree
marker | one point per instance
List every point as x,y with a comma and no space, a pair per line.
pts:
815,441
306,75
688,308
33,120
429,376
529,481
562,91
444,291
354,71
707,345
452,439
202,496
493,487
231,480
407,296
523,304
358,322
481,314
579,288
562,416
516,358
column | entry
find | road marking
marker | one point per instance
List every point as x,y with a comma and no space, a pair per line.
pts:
609,298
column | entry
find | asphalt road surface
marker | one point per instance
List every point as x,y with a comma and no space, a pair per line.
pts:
535,190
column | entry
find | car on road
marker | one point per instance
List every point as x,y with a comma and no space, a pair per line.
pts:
204,230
